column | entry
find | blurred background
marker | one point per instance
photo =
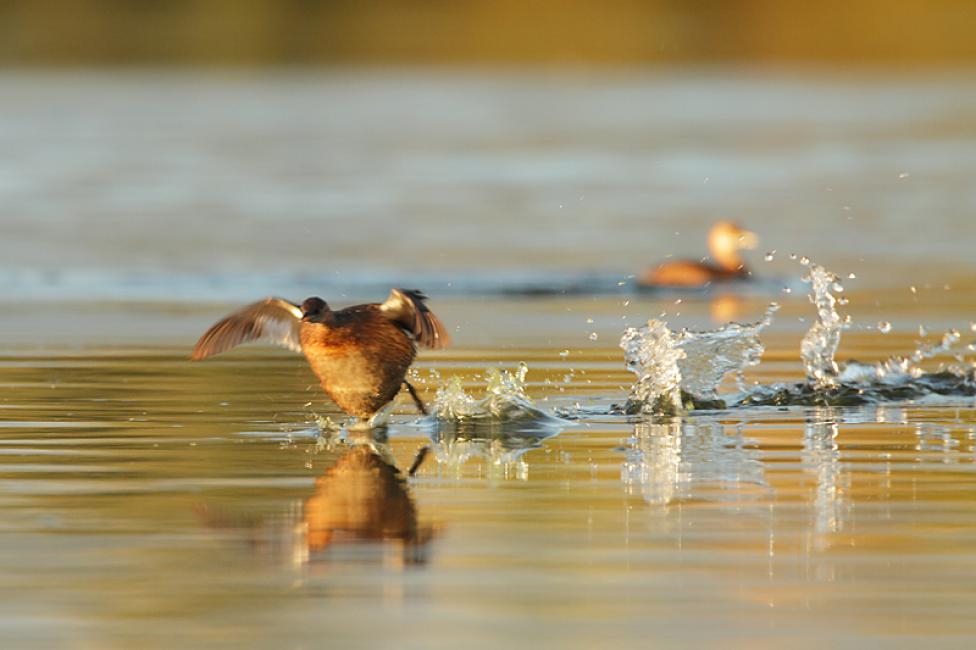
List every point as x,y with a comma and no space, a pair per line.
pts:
273,32
216,150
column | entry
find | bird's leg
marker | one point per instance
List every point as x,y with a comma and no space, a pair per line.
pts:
380,419
418,460
416,399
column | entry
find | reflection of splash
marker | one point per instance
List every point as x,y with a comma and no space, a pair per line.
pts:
937,438
501,462
676,460
500,443
821,457
653,463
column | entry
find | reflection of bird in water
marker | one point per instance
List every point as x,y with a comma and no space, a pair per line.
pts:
363,498
725,308
360,498
360,354
725,240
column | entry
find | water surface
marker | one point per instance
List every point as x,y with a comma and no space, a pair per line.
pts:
148,501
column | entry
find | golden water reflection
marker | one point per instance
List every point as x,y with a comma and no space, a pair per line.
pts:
142,494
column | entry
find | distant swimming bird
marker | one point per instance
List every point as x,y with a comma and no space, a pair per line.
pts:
725,240
360,354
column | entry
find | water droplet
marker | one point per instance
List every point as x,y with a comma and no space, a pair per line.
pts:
770,255
972,325
621,283
805,261
678,301
884,327
589,321
851,276
904,175
564,353
792,256
922,331
842,301
838,287
913,289
626,303
594,336
787,290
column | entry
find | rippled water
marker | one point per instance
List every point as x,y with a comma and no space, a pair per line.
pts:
152,502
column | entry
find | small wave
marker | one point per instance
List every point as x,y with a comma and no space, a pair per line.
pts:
859,384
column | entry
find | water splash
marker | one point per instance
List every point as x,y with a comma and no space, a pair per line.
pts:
505,399
710,355
898,378
652,354
498,428
689,364
900,367
819,345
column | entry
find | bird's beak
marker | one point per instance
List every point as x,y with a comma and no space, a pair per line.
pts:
748,240
306,316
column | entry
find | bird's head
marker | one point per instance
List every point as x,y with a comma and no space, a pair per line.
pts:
314,309
731,236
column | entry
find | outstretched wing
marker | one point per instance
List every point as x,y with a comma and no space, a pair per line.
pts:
407,309
272,319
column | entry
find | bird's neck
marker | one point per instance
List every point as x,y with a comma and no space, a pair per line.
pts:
325,319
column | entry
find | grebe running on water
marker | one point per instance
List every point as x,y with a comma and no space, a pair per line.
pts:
725,240
360,354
